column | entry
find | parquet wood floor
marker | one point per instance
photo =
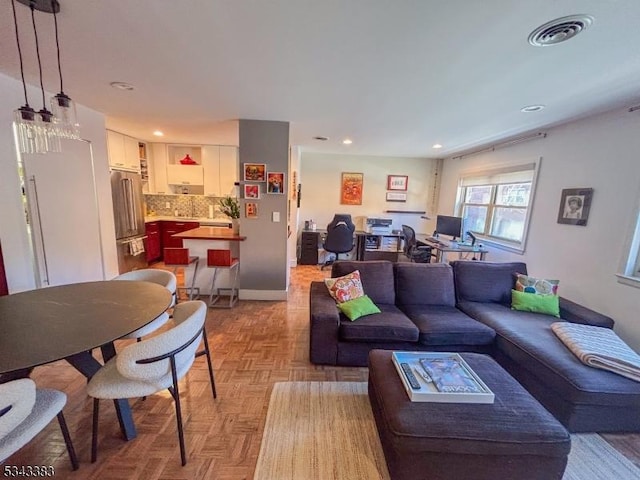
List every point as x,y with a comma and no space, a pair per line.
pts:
254,345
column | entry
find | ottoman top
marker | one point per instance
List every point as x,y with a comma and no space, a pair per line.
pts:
515,424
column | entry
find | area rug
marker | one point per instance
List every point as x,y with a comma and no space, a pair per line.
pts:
326,430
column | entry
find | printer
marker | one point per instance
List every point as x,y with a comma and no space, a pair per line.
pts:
378,226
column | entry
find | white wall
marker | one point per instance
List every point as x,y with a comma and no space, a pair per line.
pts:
320,177
13,230
601,152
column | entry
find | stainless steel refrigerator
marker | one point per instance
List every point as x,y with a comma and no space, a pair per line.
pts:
128,212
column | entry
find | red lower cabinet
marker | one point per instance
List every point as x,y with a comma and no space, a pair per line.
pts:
153,242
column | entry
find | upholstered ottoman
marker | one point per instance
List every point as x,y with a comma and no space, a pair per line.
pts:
513,438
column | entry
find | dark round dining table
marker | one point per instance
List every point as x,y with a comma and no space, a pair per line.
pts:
69,321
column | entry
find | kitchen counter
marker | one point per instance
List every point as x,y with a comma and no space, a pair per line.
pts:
213,222
210,233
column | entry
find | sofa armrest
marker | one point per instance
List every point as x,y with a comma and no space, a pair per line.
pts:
324,325
574,313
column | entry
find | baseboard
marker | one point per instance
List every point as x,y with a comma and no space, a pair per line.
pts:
263,294
293,263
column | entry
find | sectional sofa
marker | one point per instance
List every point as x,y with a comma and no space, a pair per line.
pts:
466,306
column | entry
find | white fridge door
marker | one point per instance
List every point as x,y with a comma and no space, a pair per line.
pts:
63,215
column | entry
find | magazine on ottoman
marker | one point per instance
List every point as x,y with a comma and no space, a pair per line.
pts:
440,377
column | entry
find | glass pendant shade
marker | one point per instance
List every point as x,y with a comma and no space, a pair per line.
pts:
64,116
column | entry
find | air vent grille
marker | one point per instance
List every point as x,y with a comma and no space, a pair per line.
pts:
559,30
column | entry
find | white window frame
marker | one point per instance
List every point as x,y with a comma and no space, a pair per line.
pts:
494,172
631,266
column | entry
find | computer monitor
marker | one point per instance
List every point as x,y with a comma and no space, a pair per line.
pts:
446,225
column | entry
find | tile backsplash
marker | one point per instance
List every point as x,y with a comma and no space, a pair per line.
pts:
194,206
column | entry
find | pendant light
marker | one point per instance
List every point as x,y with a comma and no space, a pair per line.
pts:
63,108
24,117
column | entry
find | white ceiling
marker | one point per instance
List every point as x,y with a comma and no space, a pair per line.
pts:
395,76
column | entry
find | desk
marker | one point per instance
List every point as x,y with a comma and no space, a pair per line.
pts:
441,249
377,246
68,321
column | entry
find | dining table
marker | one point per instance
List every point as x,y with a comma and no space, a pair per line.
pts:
68,322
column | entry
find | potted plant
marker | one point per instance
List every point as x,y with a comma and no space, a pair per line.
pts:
231,208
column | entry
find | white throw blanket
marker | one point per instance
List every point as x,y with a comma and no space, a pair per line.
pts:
600,348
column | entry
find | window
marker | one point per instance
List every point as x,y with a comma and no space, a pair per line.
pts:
495,204
631,269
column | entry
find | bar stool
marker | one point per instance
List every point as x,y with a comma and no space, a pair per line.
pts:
218,259
179,257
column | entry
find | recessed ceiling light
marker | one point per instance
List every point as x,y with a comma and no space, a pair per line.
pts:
158,133
321,138
122,86
347,141
437,145
532,108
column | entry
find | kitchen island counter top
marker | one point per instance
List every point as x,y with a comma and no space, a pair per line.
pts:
215,222
210,233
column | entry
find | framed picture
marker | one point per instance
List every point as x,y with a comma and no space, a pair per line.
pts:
351,188
251,210
397,182
255,172
251,191
575,204
275,182
396,197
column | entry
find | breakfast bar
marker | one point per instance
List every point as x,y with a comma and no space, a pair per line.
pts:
199,241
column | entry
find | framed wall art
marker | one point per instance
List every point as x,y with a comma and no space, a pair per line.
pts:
251,210
351,188
575,204
251,191
255,172
275,182
396,197
397,182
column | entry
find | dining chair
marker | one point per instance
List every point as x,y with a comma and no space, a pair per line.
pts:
25,411
152,365
162,277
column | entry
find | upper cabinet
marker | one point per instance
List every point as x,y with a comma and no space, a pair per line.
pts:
220,165
124,152
184,165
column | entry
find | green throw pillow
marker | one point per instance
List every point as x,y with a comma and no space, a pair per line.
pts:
358,307
534,302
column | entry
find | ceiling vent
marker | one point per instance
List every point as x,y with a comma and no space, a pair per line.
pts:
559,30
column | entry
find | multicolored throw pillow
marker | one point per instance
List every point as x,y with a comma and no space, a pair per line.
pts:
343,289
539,286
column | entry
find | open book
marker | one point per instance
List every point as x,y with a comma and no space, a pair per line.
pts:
449,375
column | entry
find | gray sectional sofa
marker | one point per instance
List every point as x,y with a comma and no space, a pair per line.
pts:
465,306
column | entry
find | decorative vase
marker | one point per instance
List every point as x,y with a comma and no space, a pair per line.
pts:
235,225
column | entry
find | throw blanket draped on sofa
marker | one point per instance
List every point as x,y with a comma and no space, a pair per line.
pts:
600,348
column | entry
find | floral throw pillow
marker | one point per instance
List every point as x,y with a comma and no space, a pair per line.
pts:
539,286
345,288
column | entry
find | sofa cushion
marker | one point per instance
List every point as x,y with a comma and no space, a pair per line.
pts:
424,284
535,302
527,339
541,286
444,325
345,288
486,281
376,277
391,325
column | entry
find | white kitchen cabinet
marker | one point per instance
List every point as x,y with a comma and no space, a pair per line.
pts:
220,165
185,174
159,157
123,152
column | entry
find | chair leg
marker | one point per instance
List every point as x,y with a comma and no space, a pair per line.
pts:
67,441
94,435
207,352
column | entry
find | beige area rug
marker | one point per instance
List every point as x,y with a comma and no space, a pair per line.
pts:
326,430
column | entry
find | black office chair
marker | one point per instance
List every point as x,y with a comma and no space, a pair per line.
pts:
339,237
415,253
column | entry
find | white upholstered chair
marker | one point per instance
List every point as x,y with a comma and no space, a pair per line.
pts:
152,365
162,277
25,411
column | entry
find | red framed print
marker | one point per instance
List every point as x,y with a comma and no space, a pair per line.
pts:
255,172
275,182
397,182
252,191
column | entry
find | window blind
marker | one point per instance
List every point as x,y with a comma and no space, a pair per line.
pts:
500,176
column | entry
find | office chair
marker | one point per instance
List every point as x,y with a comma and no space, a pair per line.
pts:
339,237
25,411
155,364
415,253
